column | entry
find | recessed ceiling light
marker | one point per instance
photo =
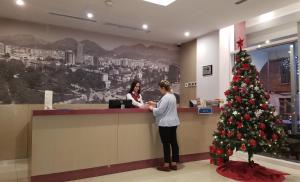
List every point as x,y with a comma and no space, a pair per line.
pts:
90,15
108,3
187,34
267,41
259,46
145,26
20,2
161,2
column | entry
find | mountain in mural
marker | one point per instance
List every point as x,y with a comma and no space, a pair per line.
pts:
64,44
23,40
140,51
137,51
92,48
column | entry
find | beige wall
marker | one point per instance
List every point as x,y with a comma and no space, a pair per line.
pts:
14,127
68,142
188,64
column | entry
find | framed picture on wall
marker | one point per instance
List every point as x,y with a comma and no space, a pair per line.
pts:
207,70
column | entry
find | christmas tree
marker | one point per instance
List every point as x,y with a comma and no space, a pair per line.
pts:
247,122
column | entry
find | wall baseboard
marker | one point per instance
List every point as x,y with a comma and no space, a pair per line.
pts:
115,168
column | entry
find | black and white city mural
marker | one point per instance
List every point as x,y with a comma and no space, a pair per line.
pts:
78,66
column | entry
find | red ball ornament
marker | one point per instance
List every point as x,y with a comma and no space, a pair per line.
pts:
219,151
243,147
264,106
236,78
274,137
227,92
229,134
235,88
247,80
246,66
252,142
222,108
262,134
238,99
251,101
229,152
223,133
247,117
229,104
262,126
243,90
239,125
239,136
211,161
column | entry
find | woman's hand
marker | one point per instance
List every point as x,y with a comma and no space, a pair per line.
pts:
152,103
145,106
151,107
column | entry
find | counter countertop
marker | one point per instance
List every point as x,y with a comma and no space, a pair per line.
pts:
103,111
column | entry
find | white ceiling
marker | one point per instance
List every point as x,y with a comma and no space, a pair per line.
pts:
167,24
279,24
281,16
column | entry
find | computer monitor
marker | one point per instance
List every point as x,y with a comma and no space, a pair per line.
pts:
116,104
193,103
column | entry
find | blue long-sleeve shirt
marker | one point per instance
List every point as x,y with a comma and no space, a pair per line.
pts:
166,111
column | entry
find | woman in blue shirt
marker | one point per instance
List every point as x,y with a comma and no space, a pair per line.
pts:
165,112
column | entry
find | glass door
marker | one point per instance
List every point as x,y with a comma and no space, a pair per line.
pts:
278,67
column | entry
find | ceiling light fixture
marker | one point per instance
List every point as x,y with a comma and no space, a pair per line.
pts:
90,15
187,34
240,2
20,2
108,3
145,26
267,41
259,46
161,2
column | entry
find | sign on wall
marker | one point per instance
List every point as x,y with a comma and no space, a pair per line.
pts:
207,70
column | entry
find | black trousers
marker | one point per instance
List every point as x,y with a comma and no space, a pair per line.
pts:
168,138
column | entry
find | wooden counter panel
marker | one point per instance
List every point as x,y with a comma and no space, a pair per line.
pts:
64,143
138,138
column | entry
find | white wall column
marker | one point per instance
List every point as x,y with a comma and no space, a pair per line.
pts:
208,54
225,60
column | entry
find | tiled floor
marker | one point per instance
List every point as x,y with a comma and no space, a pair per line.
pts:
200,171
16,171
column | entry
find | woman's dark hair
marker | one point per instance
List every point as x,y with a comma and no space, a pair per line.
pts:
165,84
133,84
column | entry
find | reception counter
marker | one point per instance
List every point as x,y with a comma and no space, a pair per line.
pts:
75,144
